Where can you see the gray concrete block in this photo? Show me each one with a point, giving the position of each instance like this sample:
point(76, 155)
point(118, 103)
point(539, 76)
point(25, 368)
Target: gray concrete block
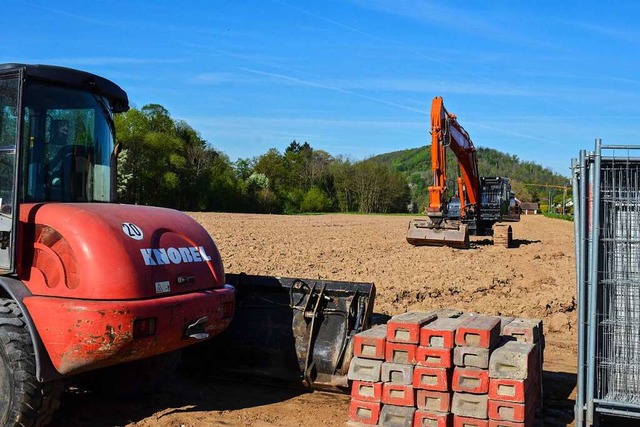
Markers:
point(396, 416)
point(364, 370)
point(514, 360)
point(397, 373)
point(471, 357)
point(504, 321)
point(524, 330)
point(470, 405)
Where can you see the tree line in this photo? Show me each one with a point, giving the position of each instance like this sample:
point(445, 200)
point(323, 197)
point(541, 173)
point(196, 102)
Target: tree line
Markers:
point(165, 162)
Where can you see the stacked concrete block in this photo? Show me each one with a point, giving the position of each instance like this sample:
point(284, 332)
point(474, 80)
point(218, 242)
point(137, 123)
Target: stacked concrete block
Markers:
point(365, 371)
point(528, 331)
point(397, 416)
point(475, 339)
point(403, 337)
point(514, 390)
point(434, 364)
point(447, 369)
point(383, 371)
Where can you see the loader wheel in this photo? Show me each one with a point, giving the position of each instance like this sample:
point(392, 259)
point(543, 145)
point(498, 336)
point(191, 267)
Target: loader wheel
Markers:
point(23, 400)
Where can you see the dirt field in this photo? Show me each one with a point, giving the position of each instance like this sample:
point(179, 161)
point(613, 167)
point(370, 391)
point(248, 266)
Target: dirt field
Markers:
point(534, 279)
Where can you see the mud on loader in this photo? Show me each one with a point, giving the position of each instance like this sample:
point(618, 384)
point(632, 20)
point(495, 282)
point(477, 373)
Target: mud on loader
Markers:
point(88, 285)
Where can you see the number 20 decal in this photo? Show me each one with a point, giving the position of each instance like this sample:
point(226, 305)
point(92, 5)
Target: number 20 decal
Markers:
point(132, 230)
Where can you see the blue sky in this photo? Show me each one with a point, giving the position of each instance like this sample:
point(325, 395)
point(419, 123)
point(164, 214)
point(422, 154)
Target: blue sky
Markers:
point(540, 80)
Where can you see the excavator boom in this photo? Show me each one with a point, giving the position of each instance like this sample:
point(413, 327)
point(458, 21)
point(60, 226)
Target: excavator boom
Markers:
point(447, 132)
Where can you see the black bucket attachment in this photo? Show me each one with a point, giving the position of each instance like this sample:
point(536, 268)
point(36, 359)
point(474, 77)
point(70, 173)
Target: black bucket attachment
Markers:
point(293, 330)
point(424, 232)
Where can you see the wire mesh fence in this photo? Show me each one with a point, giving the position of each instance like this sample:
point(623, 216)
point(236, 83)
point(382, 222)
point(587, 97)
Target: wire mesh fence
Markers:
point(607, 196)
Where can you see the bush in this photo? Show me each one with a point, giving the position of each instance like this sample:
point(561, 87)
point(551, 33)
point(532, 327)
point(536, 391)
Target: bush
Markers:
point(559, 216)
point(315, 201)
point(293, 201)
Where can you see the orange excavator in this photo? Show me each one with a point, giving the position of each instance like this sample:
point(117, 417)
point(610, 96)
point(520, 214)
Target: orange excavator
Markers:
point(481, 205)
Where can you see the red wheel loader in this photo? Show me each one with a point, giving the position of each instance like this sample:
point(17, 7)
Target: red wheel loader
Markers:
point(86, 283)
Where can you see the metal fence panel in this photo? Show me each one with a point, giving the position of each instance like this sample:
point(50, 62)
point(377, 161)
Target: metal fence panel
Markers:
point(607, 235)
point(618, 358)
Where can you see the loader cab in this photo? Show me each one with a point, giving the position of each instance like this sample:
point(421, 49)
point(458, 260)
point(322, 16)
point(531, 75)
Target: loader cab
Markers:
point(56, 141)
point(67, 145)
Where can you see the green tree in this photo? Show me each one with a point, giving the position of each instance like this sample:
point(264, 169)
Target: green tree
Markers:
point(168, 163)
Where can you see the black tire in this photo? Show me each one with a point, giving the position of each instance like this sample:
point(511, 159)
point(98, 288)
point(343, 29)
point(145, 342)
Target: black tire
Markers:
point(24, 401)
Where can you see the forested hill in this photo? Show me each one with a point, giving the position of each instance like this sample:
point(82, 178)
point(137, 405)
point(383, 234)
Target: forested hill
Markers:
point(527, 178)
point(490, 163)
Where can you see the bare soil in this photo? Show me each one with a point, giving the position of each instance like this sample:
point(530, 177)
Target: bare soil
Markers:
point(534, 279)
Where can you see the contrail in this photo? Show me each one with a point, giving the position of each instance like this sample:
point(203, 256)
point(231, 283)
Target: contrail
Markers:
point(522, 135)
point(333, 88)
point(382, 101)
point(417, 52)
point(64, 12)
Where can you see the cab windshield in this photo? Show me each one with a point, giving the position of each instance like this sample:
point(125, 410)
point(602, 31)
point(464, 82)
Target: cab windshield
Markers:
point(67, 145)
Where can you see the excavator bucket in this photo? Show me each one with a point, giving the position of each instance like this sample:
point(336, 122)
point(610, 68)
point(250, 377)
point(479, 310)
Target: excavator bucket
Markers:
point(423, 232)
point(293, 330)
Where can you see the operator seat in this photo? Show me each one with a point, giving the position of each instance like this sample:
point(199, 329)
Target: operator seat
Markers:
point(75, 170)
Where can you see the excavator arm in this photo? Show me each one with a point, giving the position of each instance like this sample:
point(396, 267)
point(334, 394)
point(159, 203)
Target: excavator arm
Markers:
point(447, 132)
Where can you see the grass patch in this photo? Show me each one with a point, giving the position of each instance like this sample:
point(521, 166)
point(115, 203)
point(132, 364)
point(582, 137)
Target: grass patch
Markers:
point(558, 216)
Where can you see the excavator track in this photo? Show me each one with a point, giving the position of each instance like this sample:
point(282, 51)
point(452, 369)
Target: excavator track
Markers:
point(502, 235)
